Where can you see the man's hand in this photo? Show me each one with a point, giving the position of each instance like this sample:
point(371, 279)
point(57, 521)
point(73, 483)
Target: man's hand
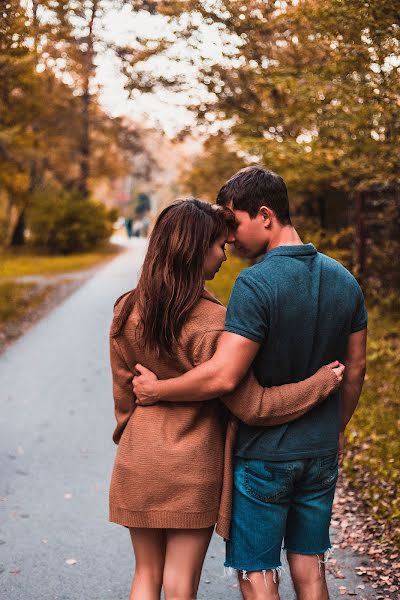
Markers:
point(144, 387)
point(341, 448)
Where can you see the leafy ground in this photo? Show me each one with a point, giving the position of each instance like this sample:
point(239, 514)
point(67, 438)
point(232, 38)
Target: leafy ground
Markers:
point(51, 279)
point(17, 298)
point(372, 463)
point(27, 262)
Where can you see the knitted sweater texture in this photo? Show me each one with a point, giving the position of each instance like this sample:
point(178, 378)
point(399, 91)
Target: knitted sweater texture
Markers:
point(174, 463)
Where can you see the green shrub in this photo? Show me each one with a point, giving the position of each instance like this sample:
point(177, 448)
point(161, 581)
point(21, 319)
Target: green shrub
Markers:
point(64, 222)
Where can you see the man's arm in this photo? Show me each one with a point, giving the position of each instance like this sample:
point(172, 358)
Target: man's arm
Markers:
point(354, 375)
point(217, 376)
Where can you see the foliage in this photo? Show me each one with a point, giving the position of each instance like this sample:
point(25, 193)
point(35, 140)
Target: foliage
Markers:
point(65, 222)
point(18, 103)
point(309, 87)
point(52, 127)
point(212, 168)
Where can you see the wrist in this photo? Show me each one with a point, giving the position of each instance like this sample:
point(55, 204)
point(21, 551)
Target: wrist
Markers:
point(157, 390)
point(332, 377)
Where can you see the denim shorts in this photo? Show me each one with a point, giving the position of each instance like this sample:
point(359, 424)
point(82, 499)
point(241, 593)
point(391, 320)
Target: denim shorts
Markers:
point(280, 501)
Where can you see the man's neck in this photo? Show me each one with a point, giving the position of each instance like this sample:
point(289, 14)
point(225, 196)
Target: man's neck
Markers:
point(285, 236)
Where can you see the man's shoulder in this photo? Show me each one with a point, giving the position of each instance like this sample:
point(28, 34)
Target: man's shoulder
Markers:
point(334, 268)
point(257, 273)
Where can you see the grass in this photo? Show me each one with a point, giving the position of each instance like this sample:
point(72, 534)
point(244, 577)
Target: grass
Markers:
point(28, 262)
point(372, 453)
point(372, 462)
point(16, 299)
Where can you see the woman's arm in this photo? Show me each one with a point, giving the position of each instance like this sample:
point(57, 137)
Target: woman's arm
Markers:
point(250, 402)
point(256, 405)
point(124, 398)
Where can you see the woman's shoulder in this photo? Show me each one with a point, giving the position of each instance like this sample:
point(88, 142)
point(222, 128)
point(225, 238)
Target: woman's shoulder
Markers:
point(201, 331)
point(120, 301)
point(208, 315)
point(124, 310)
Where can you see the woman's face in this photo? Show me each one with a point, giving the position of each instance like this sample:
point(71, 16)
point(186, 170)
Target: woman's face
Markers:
point(214, 258)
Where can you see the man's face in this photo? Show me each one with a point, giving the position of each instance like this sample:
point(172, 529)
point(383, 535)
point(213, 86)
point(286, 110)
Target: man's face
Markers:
point(251, 237)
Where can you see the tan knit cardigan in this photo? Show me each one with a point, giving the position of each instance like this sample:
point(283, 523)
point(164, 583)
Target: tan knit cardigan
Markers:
point(173, 467)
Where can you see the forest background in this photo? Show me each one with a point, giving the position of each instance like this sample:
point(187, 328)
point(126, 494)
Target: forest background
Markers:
point(309, 89)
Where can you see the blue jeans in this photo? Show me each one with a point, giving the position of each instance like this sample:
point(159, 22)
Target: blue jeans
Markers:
point(276, 501)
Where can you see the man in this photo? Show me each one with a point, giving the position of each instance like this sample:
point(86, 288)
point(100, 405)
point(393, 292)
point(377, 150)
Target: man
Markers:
point(290, 313)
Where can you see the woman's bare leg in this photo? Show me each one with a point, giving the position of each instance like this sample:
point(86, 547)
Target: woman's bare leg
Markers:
point(184, 557)
point(149, 548)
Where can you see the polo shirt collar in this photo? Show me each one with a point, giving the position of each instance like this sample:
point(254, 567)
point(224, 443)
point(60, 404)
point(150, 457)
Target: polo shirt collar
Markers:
point(297, 250)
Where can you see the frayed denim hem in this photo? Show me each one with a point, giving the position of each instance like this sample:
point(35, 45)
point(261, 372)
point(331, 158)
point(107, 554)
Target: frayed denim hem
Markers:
point(276, 572)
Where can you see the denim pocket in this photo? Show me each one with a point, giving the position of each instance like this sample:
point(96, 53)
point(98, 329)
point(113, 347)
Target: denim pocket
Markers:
point(328, 470)
point(268, 482)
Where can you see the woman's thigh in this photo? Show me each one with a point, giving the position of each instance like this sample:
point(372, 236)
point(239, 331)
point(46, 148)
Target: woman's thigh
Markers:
point(149, 546)
point(184, 557)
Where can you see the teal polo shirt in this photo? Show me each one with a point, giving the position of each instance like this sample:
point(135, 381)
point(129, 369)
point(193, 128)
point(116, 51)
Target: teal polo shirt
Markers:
point(301, 307)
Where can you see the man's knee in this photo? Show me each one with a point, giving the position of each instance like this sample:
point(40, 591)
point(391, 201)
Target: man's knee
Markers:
point(259, 585)
point(308, 575)
point(306, 568)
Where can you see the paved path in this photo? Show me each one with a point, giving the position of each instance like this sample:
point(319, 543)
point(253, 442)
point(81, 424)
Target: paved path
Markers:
point(56, 456)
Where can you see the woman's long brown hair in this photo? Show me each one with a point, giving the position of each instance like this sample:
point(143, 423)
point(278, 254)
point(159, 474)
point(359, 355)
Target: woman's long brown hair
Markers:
point(172, 278)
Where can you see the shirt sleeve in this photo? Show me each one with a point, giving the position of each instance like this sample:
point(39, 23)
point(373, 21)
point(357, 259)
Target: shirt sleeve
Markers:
point(248, 310)
point(359, 320)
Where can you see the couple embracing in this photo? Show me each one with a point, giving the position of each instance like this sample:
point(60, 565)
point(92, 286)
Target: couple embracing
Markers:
point(235, 418)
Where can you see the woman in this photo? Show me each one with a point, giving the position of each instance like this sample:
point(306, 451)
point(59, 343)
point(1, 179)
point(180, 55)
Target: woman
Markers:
point(171, 480)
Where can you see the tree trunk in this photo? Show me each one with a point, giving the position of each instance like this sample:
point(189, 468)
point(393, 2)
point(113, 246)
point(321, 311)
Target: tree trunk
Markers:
point(322, 212)
point(86, 102)
point(85, 146)
point(360, 236)
point(18, 236)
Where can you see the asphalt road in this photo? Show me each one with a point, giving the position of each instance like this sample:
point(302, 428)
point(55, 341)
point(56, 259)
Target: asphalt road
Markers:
point(56, 456)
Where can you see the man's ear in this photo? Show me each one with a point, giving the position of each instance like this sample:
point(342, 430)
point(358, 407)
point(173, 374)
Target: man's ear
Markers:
point(266, 215)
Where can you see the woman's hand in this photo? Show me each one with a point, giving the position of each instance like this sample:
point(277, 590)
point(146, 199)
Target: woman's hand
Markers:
point(338, 369)
point(144, 386)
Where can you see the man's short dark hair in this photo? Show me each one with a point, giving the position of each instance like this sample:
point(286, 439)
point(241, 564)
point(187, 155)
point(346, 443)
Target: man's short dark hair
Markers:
point(253, 187)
